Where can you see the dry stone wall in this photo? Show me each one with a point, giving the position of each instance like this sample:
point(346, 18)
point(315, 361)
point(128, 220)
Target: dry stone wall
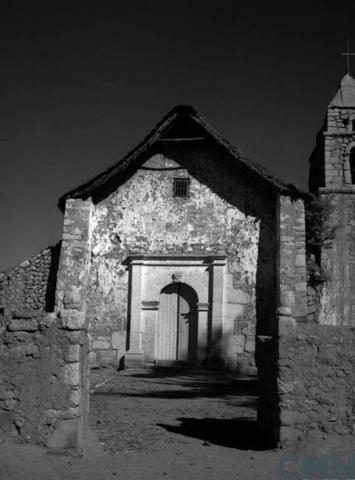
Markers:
point(31, 285)
point(43, 383)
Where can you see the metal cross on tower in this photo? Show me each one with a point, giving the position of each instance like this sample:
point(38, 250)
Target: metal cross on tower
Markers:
point(348, 55)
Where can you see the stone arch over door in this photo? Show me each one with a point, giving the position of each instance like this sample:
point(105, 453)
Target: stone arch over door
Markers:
point(176, 337)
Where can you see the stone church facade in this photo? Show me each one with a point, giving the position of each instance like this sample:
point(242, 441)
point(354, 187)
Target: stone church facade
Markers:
point(185, 250)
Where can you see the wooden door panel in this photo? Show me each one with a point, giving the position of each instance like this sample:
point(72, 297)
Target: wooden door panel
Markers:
point(183, 328)
point(166, 332)
point(176, 333)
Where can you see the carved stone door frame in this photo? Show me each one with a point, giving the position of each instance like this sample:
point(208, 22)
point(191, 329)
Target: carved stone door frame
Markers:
point(149, 274)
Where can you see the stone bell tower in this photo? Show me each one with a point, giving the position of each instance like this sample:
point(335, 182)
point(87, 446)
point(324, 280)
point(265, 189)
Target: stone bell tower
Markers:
point(332, 176)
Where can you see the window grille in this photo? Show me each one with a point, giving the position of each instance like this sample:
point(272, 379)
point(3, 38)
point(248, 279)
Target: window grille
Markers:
point(181, 187)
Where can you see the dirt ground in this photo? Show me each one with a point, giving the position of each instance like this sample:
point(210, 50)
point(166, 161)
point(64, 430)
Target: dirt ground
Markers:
point(165, 425)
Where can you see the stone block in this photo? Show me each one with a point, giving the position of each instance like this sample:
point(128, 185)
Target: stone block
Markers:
point(6, 422)
point(250, 345)
point(287, 299)
point(29, 325)
point(92, 360)
point(75, 397)
point(72, 353)
point(72, 319)
point(71, 374)
point(133, 359)
point(70, 236)
point(72, 412)
point(286, 311)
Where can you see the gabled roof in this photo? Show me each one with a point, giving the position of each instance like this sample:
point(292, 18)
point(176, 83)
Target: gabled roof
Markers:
point(190, 127)
point(345, 95)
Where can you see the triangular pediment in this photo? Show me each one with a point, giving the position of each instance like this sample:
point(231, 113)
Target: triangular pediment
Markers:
point(181, 124)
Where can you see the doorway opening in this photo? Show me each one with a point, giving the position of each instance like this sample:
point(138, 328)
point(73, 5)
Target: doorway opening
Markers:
point(176, 336)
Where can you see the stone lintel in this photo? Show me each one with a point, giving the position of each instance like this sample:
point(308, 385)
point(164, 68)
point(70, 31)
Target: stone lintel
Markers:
point(175, 260)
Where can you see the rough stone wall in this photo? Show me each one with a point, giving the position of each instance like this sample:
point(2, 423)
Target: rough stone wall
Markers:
point(336, 305)
point(227, 213)
point(316, 381)
point(339, 138)
point(42, 385)
point(31, 285)
point(75, 254)
point(307, 378)
point(292, 254)
point(338, 301)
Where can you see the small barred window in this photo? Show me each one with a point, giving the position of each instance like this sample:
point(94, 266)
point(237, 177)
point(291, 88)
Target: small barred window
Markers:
point(181, 187)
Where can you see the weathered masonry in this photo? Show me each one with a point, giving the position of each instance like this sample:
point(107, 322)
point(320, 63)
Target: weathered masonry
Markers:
point(190, 245)
point(332, 176)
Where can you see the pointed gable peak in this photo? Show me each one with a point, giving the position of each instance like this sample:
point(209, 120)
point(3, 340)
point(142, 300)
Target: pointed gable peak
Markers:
point(183, 109)
point(345, 95)
point(347, 80)
point(181, 124)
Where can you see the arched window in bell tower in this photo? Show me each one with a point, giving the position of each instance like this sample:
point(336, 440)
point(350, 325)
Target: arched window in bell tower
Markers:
point(352, 165)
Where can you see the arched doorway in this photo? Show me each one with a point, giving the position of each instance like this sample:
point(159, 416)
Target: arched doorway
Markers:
point(177, 328)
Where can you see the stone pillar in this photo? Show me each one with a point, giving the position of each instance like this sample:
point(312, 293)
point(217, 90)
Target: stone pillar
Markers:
point(287, 328)
point(75, 255)
point(71, 293)
point(202, 331)
point(150, 311)
point(216, 279)
point(134, 355)
point(273, 374)
point(292, 275)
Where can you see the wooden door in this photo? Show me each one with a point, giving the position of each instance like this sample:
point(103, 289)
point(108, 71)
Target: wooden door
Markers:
point(177, 324)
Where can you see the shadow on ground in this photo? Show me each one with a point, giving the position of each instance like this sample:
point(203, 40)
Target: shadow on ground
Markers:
point(181, 384)
point(240, 433)
point(149, 411)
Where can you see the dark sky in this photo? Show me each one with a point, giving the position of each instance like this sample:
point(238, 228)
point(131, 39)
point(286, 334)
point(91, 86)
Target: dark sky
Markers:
point(81, 85)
